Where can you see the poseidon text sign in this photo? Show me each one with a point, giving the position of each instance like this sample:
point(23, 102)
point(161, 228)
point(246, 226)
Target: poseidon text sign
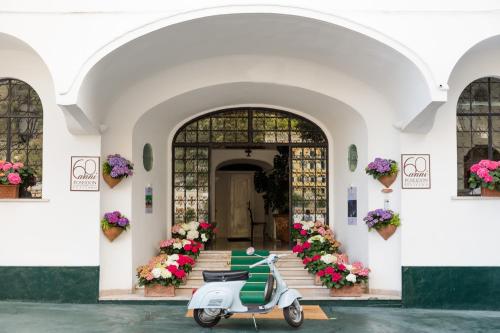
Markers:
point(84, 173)
point(415, 171)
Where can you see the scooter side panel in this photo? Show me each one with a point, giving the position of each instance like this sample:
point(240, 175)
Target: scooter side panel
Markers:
point(215, 295)
point(288, 297)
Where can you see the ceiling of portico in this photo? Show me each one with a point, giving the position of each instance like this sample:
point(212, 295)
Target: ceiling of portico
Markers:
point(365, 59)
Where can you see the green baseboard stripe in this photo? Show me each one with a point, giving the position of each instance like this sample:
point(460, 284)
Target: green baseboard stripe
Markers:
point(50, 284)
point(468, 288)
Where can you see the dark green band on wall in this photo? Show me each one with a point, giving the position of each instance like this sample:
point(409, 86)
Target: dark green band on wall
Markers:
point(50, 284)
point(471, 288)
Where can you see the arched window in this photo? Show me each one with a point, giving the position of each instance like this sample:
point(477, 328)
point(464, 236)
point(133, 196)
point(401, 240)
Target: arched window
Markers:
point(21, 127)
point(478, 127)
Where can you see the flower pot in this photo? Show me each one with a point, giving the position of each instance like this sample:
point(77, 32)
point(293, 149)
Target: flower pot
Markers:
point(112, 233)
point(158, 290)
point(9, 191)
point(387, 231)
point(486, 192)
point(387, 181)
point(317, 280)
point(348, 291)
point(112, 182)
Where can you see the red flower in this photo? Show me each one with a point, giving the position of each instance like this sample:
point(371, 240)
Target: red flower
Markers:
point(183, 260)
point(303, 232)
point(321, 273)
point(336, 277)
point(306, 245)
point(172, 269)
point(297, 249)
point(297, 226)
point(188, 247)
point(341, 267)
point(205, 225)
point(180, 274)
point(329, 270)
point(306, 260)
point(316, 257)
point(195, 249)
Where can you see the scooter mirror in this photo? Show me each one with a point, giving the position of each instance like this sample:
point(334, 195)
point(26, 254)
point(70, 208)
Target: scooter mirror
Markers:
point(250, 251)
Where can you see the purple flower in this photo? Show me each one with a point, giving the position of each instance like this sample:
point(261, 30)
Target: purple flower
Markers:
point(122, 222)
point(120, 167)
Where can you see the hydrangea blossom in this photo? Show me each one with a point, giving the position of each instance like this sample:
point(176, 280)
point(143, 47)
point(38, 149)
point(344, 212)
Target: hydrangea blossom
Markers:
point(381, 217)
point(117, 166)
point(382, 167)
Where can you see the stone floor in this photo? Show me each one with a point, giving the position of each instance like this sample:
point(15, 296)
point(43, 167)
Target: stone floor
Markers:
point(54, 318)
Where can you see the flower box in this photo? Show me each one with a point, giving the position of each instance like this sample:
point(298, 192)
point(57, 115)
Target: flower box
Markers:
point(9, 191)
point(486, 192)
point(158, 290)
point(387, 231)
point(348, 291)
point(112, 233)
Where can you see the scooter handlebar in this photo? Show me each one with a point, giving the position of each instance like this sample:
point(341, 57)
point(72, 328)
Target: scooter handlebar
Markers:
point(258, 263)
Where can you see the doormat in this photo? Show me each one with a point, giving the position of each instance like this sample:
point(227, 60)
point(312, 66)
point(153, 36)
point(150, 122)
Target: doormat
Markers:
point(239, 239)
point(311, 312)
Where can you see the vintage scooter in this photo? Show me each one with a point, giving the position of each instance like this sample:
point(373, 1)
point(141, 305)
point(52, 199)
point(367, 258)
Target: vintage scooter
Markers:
point(220, 295)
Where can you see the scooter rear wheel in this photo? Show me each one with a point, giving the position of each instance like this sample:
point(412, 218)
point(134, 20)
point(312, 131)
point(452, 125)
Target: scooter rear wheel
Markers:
point(206, 317)
point(294, 316)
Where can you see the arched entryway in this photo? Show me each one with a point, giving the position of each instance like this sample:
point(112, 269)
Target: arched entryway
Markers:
point(294, 188)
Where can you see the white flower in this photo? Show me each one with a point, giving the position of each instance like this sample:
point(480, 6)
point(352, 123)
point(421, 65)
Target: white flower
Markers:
point(193, 225)
point(349, 267)
point(328, 258)
point(316, 238)
point(204, 238)
point(177, 245)
point(173, 257)
point(307, 225)
point(185, 242)
point(351, 278)
point(192, 234)
point(185, 226)
point(156, 272)
point(165, 273)
point(182, 232)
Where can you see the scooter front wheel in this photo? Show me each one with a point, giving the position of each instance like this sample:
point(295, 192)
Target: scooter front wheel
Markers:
point(293, 314)
point(206, 317)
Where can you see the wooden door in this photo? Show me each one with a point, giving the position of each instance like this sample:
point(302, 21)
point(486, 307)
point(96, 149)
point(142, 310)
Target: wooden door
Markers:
point(241, 194)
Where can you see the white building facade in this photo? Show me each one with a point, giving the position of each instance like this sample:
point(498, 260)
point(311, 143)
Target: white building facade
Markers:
point(385, 76)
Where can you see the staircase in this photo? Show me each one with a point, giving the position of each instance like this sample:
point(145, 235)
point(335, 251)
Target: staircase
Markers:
point(290, 268)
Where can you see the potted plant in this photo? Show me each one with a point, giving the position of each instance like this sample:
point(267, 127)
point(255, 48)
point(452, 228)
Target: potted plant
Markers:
point(115, 168)
point(384, 221)
point(384, 170)
point(180, 246)
point(344, 279)
point(163, 273)
point(113, 224)
point(274, 185)
point(486, 175)
point(201, 231)
point(12, 177)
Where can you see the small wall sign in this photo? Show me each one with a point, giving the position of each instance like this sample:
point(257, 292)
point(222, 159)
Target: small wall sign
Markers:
point(352, 205)
point(85, 171)
point(416, 171)
point(148, 199)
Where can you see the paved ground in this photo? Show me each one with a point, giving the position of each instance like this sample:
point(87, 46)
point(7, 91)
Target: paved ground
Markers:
point(109, 318)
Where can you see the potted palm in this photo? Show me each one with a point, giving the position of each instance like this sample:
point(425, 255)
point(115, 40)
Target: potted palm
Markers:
point(384, 170)
point(385, 221)
point(486, 175)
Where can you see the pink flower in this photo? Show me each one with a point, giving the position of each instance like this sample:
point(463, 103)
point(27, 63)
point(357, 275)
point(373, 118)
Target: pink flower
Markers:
point(336, 277)
point(166, 242)
point(204, 225)
point(342, 258)
point(488, 179)
point(14, 178)
point(297, 249)
point(297, 226)
point(341, 267)
point(176, 228)
point(303, 232)
point(364, 272)
point(149, 277)
point(482, 172)
point(306, 245)
point(17, 166)
point(474, 168)
point(7, 166)
point(321, 231)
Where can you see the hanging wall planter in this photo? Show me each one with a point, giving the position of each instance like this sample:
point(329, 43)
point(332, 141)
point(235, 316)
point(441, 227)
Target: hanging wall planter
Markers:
point(113, 224)
point(384, 221)
point(384, 170)
point(387, 181)
point(115, 169)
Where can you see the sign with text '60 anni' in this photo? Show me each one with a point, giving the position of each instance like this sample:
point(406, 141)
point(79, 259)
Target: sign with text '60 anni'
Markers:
point(415, 171)
point(85, 172)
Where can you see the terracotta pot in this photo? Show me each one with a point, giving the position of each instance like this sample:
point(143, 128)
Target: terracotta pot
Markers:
point(486, 192)
point(9, 191)
point(112, 182)
point(112, 233)
point(348, 291)
point(387, 231)
point(158, 290)
point(282, 223)
point(317, 280)
point(387, 181)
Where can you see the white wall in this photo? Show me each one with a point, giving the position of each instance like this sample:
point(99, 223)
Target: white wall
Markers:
point(62, 229)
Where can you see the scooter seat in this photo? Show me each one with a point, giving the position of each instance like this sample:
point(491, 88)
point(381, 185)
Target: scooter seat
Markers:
point(222, 276)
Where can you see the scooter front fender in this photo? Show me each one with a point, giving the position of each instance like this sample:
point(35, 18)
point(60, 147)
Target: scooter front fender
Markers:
point(212, 296)
point(288, 297)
